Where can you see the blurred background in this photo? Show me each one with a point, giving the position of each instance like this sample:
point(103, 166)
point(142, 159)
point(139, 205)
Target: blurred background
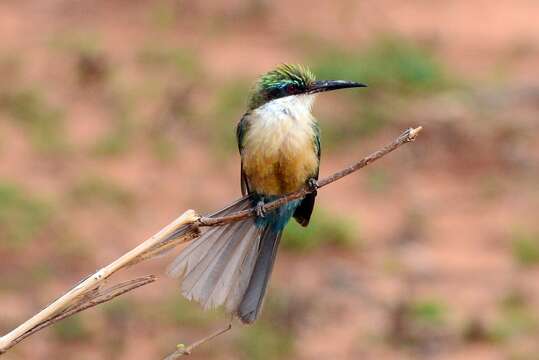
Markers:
point(116, 116)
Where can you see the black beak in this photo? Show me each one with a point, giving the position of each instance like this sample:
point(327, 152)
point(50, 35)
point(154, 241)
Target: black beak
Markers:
point(328, 85)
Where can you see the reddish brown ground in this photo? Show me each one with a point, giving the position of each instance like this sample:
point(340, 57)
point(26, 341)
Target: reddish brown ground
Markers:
point(441, 231)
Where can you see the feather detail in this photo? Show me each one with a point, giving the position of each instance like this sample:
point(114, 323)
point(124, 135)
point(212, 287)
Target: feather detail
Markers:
point(215, 268)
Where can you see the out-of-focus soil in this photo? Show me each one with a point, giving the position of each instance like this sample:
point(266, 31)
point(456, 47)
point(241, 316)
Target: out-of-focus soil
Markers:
point(440, 230)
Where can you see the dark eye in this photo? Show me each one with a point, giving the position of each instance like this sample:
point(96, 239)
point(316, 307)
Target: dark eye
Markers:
point(292, 88)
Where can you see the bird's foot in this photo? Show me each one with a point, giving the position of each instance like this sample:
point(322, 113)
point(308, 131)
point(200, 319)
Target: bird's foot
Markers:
point(259, 209)
point(312, 185)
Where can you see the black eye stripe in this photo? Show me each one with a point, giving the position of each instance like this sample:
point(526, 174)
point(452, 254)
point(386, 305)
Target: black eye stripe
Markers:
point(294, 87)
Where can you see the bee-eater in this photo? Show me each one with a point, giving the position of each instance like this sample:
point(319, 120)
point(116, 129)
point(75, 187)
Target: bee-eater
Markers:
point(279, 144)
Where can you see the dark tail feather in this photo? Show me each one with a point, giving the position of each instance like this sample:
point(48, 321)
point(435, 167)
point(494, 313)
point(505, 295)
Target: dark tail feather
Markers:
point(229, 265)
point(215, 269)
point(253, 298)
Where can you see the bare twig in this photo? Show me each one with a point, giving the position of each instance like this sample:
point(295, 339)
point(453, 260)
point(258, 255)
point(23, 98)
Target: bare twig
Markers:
point(85, 287)
point(88, 293)
point(183, 350)
point(407, 136)
point(98, 298)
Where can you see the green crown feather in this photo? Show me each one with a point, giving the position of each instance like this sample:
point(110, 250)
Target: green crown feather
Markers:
point(285, 80)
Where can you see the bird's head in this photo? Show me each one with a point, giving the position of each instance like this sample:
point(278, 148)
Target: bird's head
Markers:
point(289, 80)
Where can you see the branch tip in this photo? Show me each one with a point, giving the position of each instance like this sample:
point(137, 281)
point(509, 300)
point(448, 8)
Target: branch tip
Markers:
point(412, 134)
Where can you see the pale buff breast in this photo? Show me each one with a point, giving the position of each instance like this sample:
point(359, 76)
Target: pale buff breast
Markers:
point(279, 152)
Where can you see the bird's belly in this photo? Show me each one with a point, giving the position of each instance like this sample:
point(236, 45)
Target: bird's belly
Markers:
point(278, 165)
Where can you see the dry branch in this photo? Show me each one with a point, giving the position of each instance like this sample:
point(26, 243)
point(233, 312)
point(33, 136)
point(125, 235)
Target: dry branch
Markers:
point(183, 350)
point(407, 136)
point(94, 299)
point(89, 293)
point(90, 285)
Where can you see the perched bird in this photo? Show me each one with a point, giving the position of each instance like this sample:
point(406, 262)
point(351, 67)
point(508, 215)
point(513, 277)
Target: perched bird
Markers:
point(279, 144)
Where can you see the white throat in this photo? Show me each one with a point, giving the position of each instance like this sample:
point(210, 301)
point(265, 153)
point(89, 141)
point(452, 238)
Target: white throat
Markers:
point(294, 107)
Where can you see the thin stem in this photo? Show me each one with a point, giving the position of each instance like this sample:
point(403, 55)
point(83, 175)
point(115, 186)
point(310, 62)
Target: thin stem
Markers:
point(90, 283)
point(407, 136)
point(182, 350)
point(86, 303)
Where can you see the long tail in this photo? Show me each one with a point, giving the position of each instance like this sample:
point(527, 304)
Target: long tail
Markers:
point(215, 269)
point(230, 265)
point(254, 295)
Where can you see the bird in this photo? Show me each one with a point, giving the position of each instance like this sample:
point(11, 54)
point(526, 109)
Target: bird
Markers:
point(279, 145)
